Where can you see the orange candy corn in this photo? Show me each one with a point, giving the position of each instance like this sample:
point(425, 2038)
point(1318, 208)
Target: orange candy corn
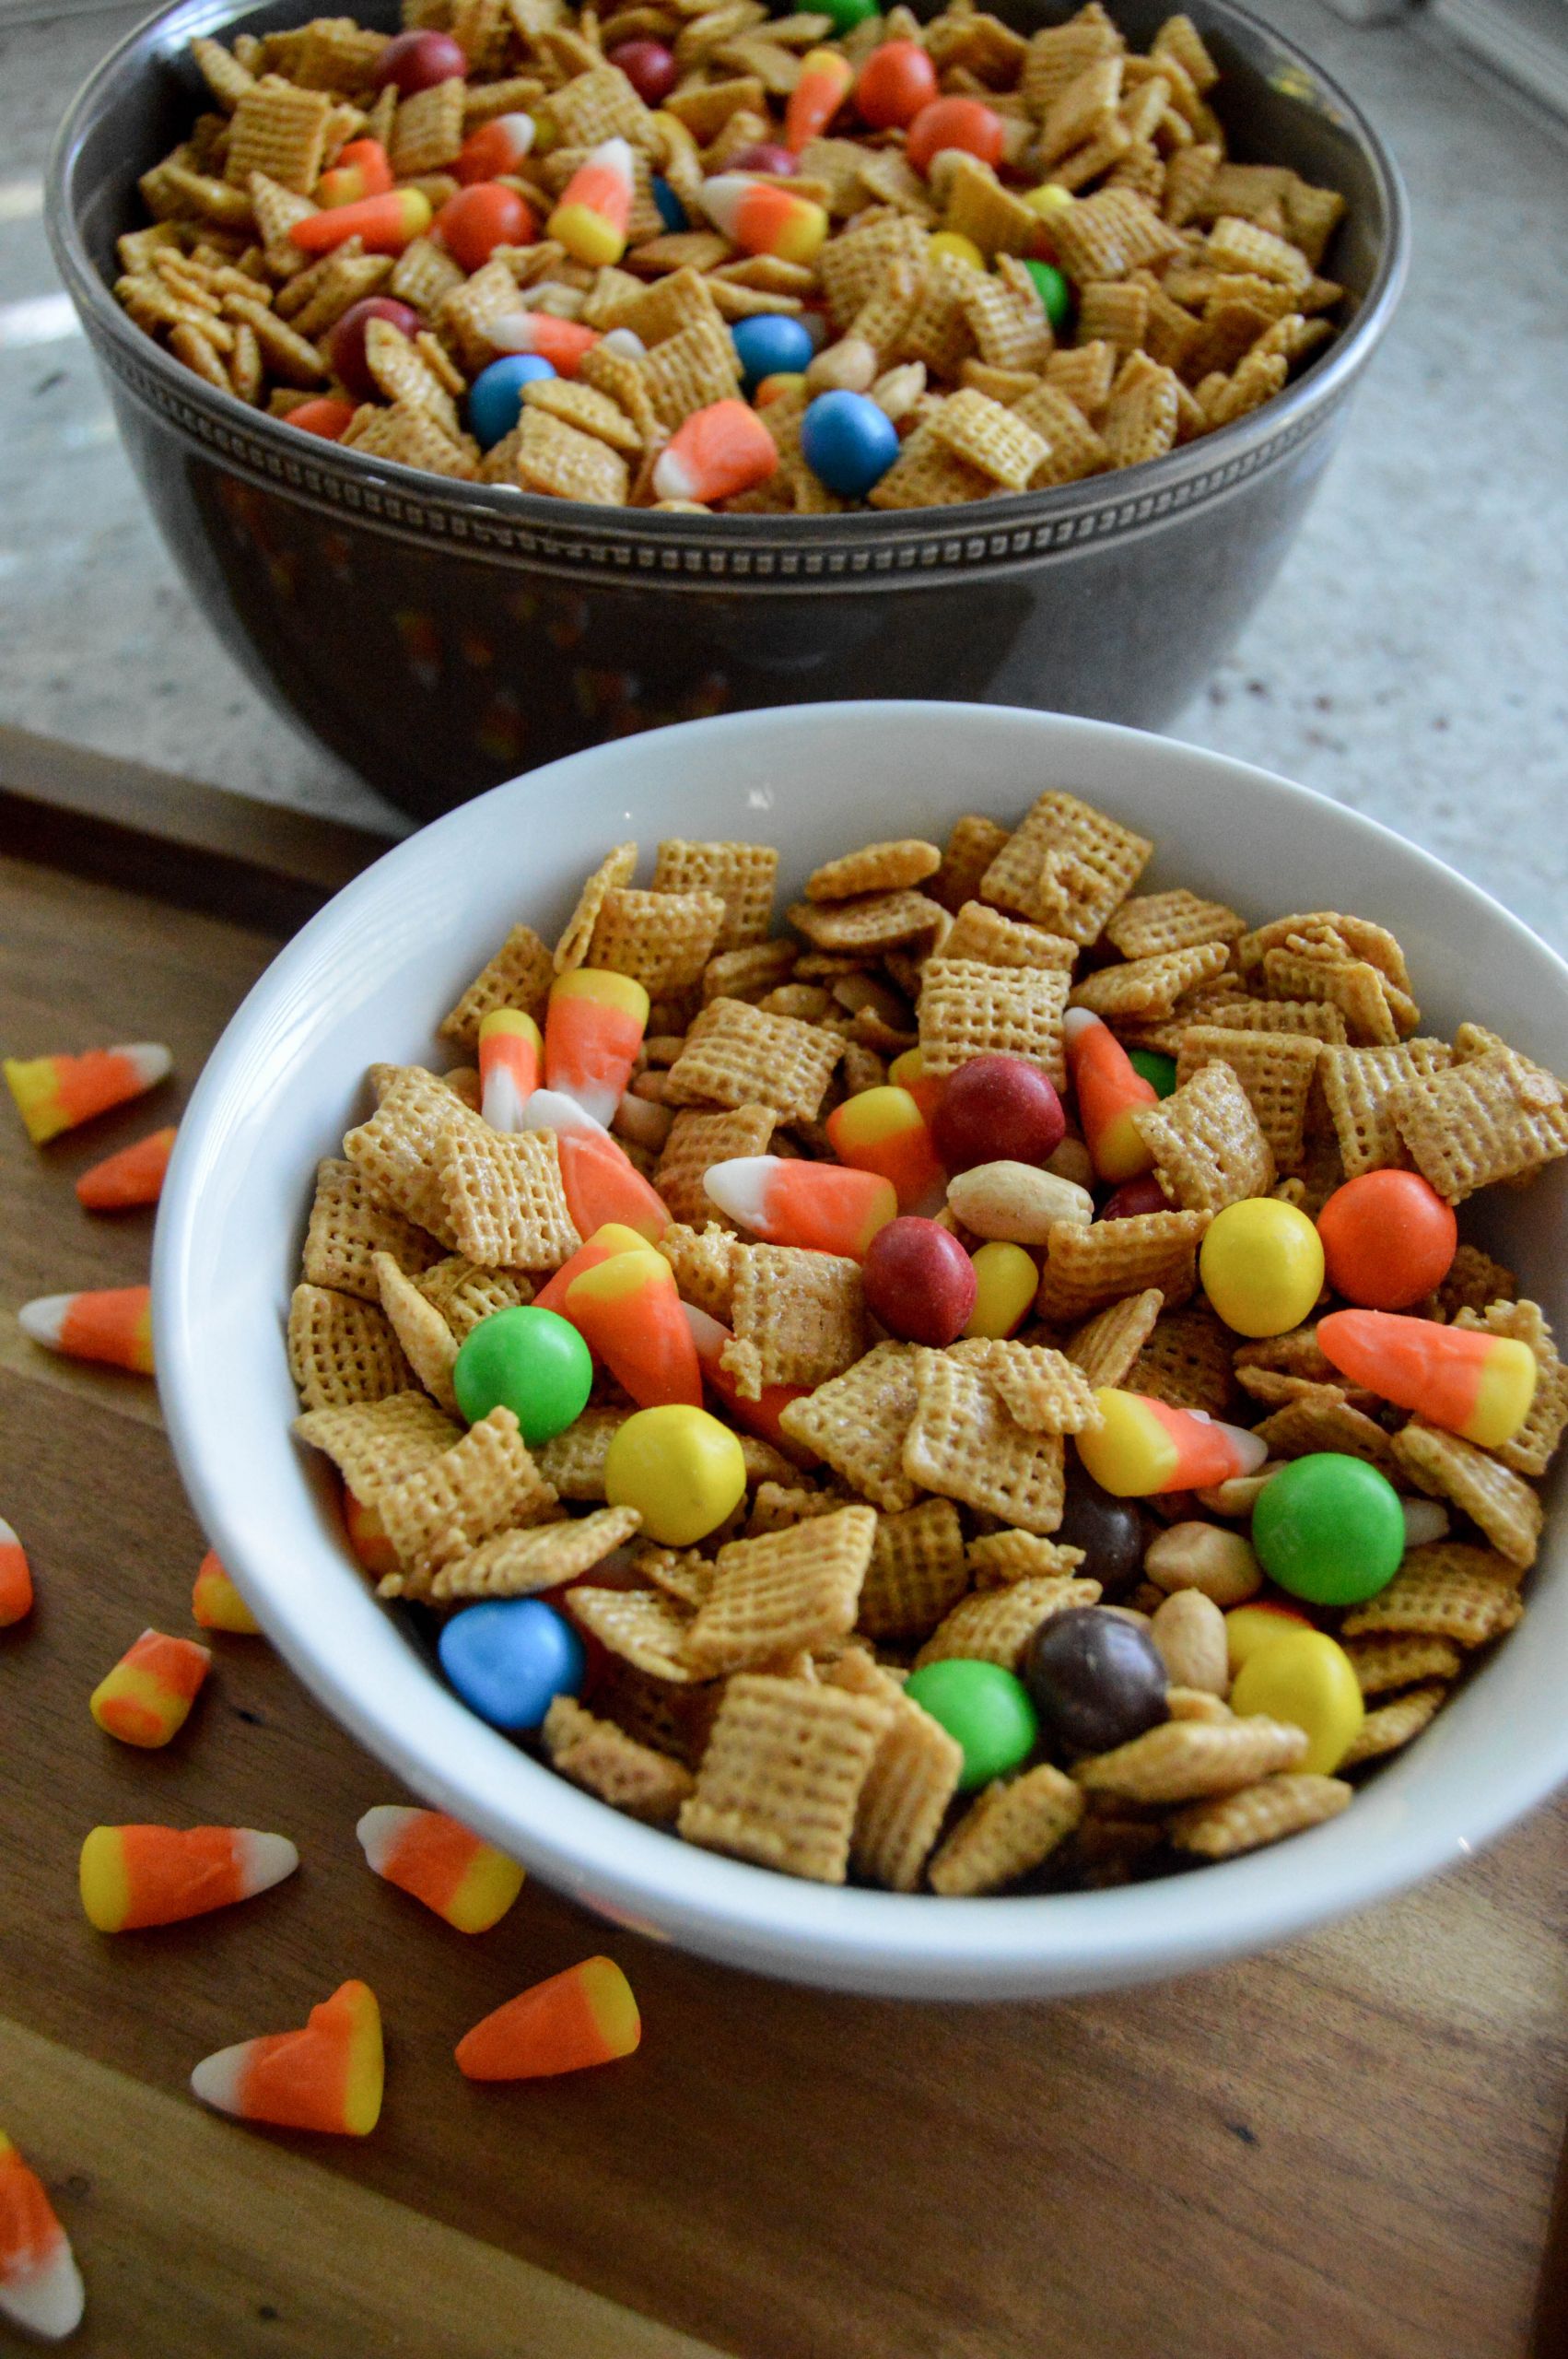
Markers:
point(593, 1028)
point(425, 1852)
point(384, 224)
point(824, 1207)
point(586, 2015)
point(329, 2076)
point(563, 343)
point(823, 85)
point(763, 218)
point(1465, 1380)
point(41, 2286)
point(55, 1093)
point(132, 1876)
point(908, 1072)
point(594, 208)
point(15, 1579)
point(631, 1317)
point(511, 1056)
point(217, 1604)
point(883, 1129)
point(603, 1186)
point(113, 1324)
point(716, 453)
point(1109, 1091)
point(614, 1237)
point(132, 1177)
point(368, 1536)
point(363, 168)
point(147, 1698)
point(1143, 1447)
point(760, 1417)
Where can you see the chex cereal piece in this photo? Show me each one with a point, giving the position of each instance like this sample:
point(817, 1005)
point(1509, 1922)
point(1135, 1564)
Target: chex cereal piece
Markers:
point(1473, 1281)
point(1530, 1450)
point(1086, 1268)
point(784, 1589)
point(375, 1445)
point(997, 441)
point(1109, 234)
point(573, 1462)
point(972, 845)
point(664, 940)
point(1075, 450)
point(1325, 1420)
point(695, 1143)
point(965, 1445)
point(641, 1626)
point(1494, 1117)
point(969, 1009)
point(1362, 1088)
point(998, 1558)
point(426, 130)
point(706, 1263)
point(589, 411)
point(742, 874)
point(1401, 1659)
point(1258, 1814)
point(1107, 1347)
point(1144, 413)
point(917, 1573)
point(411, 438)
point(1016, 1823)
point(404, 374)
point(1316, 1018)
point(1209, 1150)
point(799, 1316)
point(870, 924)
point(925, 474)
point(428, 1345)
point(778, 1505)
point(1448, 1590)
point(691, 371)
point(506, 1203)
point(995, 1625)
point(1353, 985)
point(342, 1351)
point(395, 1151)
point(1352, 938)
point(1501, 1502)
point(1187, 1362)
point(617, 868)
point(602, 1758)
point(1182, 1761)
point(483, 1483)
point(1196, 1704)
point(875, 868)
point(280, 130)
point(858, 1423)
point(349, 1225)
point(736, 1055)
point(1275, 1071)
point(913, 1777)
point(518, 1564)
point(1067, 867)
point(997, 941)
point(464, 1293)
point(1041, 1389)
point(544, 453)
point(1150, 988)
point(518, 976)
point(781, 1777)
point(749, 973)
point(682, 1573)
point(1153, 923)
point(1393, 1725)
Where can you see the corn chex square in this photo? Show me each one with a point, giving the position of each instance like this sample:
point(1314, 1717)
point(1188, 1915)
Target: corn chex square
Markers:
point(971, 847)
point(697, 1141)
point(966, 1444)
point(782, 1776)
point(1107, 1347)
point(349, 1225)
point(1498, 1501)
point(1147, 990)
point(1067, 867)
point(1208, 1147)
point(869, 924)
point(552, 1550)
point(1015, 1826)
point(342, 1350)
point(996, 1623)
point(997, 941)
point(427, 1343)
point(519, 975)
point(663, 940)
point(643, 1627)
point(597, 1755)
point(1274, 1070)
point(1400, 1659)
point(857, 1421)
point(798, 1317)
point(505, 1198)
point(1153, 922)
point(738, 1055)
point(998, 1559)
point(1257, 1814)
point(1086, 1268)
point(969, 1009)
point(483, 1483)
point(1448, 1590)
point(279, 131)
point(375, 1444)
point(917, 1573)
point(1494, 1117)
point(995, 439)
point(1041, 1388)
point(744, 876)
point(913, 1777)
point(1183, 1761)
point(1393, 1725)
point(783, 1589)
point(464, 1294)
point(705, 1263)
point(1324, 1420)
point(1187, 1362)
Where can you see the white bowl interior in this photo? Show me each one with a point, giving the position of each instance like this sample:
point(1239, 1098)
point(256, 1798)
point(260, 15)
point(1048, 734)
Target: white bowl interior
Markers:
point(369, 977)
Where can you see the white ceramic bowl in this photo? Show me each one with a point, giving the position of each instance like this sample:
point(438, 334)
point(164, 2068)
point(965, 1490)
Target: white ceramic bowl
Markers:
point(370, 975)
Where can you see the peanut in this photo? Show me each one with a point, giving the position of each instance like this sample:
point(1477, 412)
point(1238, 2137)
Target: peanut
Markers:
point(1071, 1160)
point(1189, 1631)
point(1202, 1557)
point(850, 366)
point(1017, 1201)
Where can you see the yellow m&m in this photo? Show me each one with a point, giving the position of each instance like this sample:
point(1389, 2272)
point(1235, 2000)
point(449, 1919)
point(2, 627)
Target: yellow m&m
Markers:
point(680, 1469)
point(1261, 1264)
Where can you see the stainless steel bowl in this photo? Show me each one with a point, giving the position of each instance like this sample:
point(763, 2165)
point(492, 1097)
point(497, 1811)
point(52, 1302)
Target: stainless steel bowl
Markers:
point(440, 636)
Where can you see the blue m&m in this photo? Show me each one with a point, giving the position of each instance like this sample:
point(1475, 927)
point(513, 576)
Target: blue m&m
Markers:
point(495, 399)
point(509, 1657)
point(847, 443)
point(770, 344)
point(671, 212)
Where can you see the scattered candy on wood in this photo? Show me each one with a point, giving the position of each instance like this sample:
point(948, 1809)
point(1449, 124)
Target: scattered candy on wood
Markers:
point(824, 1207)
point(528, 1360)
point(509, 1659)
point(682, 1471)
point(216, 1604)
point(1328, 1528)
point(920, 1282)
point(329, 2076)
point(1306, 1679)
point(53, 1093)
point(883, 1129)
point(132, 1177)
point(1144, 1447)
point(714, 453)
point(896, 81)
point(764, 219)
point(997, 1109)
point(1466, 1380)
point(986, 1709)
point(109, 1324)
point(1262, 1265)
point(1006, 1281)
point(820, 88)
point(563, 343)
point(15, 1579)
point(593, 1028)
point(628, 1311)
point(480, 217)
point(135, 1876)
point(849, 442)
point(147, 1698)
point(454, 1873)
point(41, 2286)
point(593, 210)
point(383, 225)
point(1097, 1680)
point(1388, 1240)
point(511, 1055)
point(1109, 1090)
point(585, 2016)
point(602, 1185)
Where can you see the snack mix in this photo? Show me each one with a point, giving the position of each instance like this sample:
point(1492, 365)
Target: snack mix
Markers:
point(979, 1385)
point(700, 258)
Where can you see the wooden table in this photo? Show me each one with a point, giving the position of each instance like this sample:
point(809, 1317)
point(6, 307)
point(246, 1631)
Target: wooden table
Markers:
point(1343, 2151)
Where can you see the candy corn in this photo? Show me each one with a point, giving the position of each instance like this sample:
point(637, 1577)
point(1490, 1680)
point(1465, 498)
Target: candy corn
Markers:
point(132, 1876)
point(614, 1237)
point(587, 2015)
point(362, 169)
point(147, 1697)
point(511, 1056)
point(760, 1417)
point(1142, 1447)
point(562, 343)
point(630, 1315)
point(15, 1579)
point(422, 1852)
point(883, 1129)
point(823, 85)
point(593, 1028)
point(595, 207)
point(113, 1324)
point(55, 1093)
point(827, 1207)
point(603, 1186)
point(132, 1177)
point(762, 218)
point(908, 1072)
point(1109, 1092)
point(498, 147)
point(1006, 1281)
point(368, 1536)
point(41, 2286)
point(383, 225)
point(217, 1604)
point(1469, 1381)
point(716, 453)
point(328, 2076)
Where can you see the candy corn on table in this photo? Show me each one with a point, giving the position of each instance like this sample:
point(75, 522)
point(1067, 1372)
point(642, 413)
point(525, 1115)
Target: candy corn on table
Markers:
point(1346, 2148)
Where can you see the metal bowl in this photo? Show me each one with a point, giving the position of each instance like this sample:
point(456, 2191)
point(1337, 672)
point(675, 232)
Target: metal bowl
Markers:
point(440, 636)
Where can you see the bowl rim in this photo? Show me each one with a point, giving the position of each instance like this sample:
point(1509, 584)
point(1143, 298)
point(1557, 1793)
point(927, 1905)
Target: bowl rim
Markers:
point(1061, 517)
point(849, 1937)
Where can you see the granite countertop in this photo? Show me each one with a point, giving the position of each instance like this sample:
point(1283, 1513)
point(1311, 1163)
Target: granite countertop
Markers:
point(1409, 661)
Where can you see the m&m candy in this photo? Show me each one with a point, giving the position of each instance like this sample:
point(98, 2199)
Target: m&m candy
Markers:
point(418, 61)
point(1328, 1528)
point(1261, 1264)
point(1097, 1680)
point(768, 343)
point(920, 1282)
point(529, 1361)
point(509, 1657)
point(1389, 1238)
point(1304, 1677)
point(1157, 1070)
point(650, 67)
point(479, 218)
point(997, 1109)
point(964, 123)
point(985, 1708)
point(1053, 291)
point(896, 80)
point(680, 1469)
point(847, 443)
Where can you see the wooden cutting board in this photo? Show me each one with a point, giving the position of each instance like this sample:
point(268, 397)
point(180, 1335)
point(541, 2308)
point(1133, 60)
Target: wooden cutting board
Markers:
point(1343, 2151)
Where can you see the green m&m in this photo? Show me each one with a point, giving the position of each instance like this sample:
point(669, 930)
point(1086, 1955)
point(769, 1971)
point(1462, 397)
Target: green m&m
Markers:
point(1330, 1528)
point(1159, 1071)
point(1054, 292)
point(531, 1361)
point(847, 14)
point(984, 1709)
